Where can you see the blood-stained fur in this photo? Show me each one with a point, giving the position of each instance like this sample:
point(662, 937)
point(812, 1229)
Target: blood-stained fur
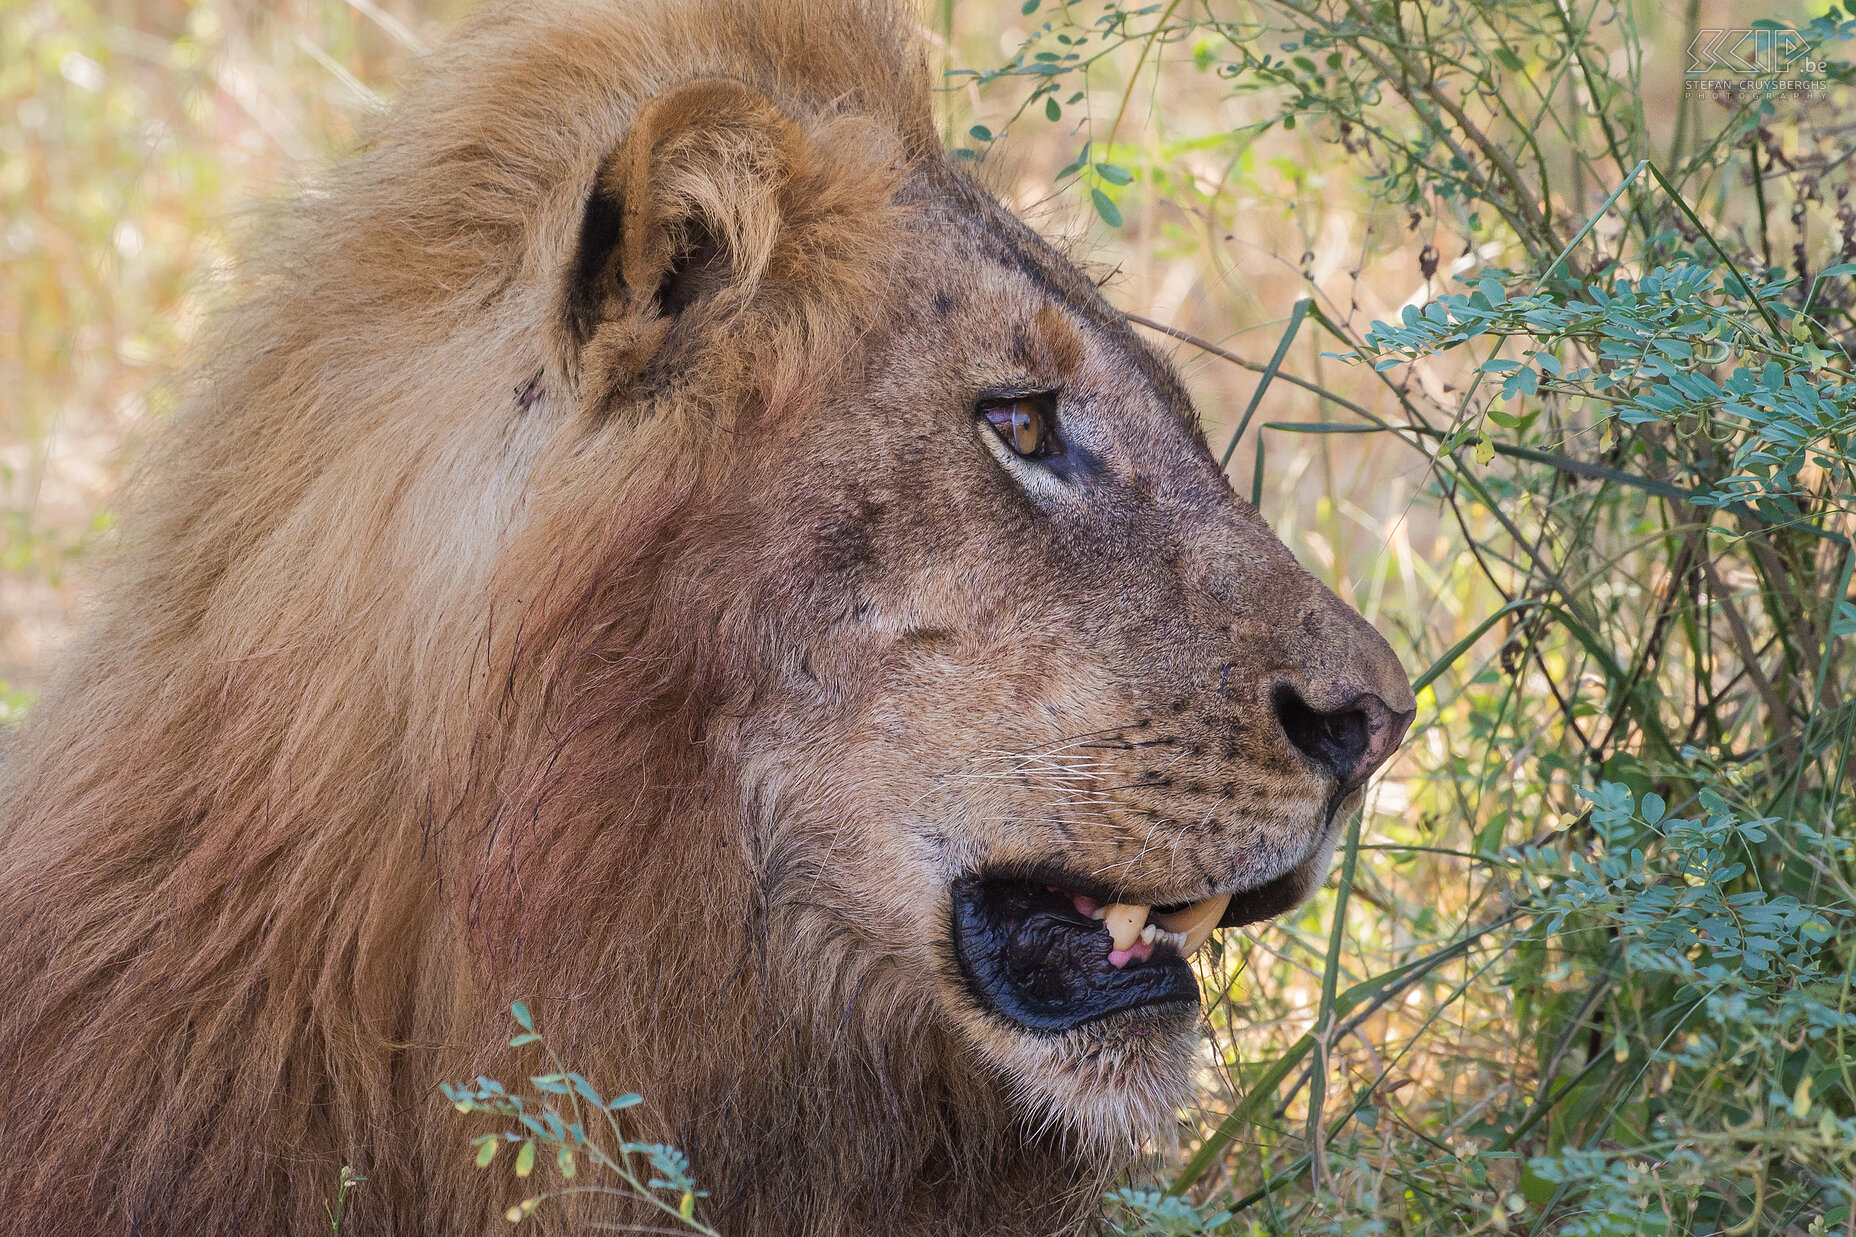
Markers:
point(578, 572)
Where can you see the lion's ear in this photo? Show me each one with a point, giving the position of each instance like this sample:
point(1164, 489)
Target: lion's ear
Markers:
point(684, 213)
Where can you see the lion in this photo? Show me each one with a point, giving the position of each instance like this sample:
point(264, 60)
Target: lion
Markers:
point(651, 536)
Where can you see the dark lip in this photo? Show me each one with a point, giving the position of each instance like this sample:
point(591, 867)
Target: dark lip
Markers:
point(1025, 954)
point(1261, 902)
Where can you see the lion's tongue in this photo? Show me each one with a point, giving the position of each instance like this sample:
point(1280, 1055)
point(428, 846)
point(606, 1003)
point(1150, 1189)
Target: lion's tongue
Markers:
point(1134, 930)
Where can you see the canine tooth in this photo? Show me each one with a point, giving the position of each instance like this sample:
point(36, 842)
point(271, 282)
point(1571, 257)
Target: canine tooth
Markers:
point(1196, 922)
point(1124, 924)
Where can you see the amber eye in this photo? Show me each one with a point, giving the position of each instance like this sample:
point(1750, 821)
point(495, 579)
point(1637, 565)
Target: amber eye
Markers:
point(1023, 421)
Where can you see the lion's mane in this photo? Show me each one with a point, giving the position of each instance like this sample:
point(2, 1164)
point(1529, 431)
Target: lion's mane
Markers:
point(386, 717)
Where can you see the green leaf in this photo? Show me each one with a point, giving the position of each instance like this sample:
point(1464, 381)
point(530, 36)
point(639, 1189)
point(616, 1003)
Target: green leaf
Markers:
point(1105, 207)
point(564, 1160)
point(1841, 268)
point(525, 1158)
point(980, 133)
point(1489, 838)
point(1029, 7)
point(527, 1037)
point(1051, 110)
point(1508, 59)
point(1114, 174)
point(1082, 161)
point(486, 1151)
point(520, 1013)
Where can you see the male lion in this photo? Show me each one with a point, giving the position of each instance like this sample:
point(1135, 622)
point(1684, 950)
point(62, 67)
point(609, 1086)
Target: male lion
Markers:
point(649, 536)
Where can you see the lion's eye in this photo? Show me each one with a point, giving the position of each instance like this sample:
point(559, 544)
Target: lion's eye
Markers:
point(1024, 422)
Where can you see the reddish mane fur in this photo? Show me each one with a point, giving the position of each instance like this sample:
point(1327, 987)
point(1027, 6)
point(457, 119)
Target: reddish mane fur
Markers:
point(387, 715)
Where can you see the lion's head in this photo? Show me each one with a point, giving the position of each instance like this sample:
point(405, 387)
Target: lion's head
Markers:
point(657, 538)
point(1029, 695)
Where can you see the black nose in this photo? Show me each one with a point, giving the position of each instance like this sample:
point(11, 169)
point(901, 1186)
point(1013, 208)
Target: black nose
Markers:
point(1349, 742)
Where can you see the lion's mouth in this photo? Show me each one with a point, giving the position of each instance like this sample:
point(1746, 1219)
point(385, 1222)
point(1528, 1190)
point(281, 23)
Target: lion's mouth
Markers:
point(1048, 956)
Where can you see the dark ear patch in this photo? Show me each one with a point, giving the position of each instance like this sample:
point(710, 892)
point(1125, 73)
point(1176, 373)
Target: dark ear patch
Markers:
point(700, 269)
point(594, 282)
point(688, 206)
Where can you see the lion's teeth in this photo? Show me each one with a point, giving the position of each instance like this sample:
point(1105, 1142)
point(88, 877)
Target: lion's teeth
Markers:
point(1185, 930)
point(1195, 923)
point(1154, 934)
point(1124, 924)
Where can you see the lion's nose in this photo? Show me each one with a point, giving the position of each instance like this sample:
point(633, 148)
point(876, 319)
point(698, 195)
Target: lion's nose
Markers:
point(1348, 742)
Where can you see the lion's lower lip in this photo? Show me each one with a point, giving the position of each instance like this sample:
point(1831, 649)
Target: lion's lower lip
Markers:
point(1030, 955)
point(1036, 952)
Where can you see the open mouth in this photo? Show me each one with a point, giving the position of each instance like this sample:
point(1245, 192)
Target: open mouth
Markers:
point(1052, 953)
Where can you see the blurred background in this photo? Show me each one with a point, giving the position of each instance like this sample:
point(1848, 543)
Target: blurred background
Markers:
point(134, 138)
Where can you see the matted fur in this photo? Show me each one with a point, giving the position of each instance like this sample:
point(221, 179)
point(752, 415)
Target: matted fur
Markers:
point(484, 632)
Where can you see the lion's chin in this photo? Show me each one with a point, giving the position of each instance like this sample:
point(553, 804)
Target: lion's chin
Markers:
point(1112, 1084)
point(1087, 1002)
